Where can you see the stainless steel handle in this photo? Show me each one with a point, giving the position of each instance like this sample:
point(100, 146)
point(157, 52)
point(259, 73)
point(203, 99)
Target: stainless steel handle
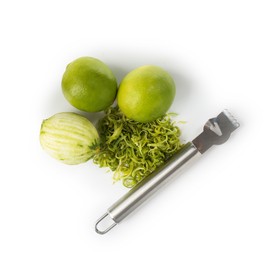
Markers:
point(142, 191)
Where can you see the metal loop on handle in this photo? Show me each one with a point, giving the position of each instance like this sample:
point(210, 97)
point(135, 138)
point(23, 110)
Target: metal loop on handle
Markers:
point(102, 232)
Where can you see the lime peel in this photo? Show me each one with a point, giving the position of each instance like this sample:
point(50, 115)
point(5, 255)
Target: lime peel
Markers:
point(133, 150)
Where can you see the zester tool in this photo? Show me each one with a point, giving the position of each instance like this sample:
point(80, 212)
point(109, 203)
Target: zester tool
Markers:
point(216, 131)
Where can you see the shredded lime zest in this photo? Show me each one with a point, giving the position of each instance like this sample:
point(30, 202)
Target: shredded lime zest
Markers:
point(133, 150)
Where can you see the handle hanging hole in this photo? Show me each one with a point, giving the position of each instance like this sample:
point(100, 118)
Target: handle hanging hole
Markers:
point(104, 224)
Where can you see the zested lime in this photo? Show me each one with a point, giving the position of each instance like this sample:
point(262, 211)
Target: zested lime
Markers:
point(69, 138)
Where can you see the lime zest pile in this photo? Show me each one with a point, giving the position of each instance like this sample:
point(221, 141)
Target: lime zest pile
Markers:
point(133, 150)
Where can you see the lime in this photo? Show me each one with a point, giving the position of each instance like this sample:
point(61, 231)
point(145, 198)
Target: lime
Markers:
point(89, 85)
point(146, 93)
point(69, 137)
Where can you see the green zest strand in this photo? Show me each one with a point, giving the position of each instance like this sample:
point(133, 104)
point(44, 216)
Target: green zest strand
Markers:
point(133, 150)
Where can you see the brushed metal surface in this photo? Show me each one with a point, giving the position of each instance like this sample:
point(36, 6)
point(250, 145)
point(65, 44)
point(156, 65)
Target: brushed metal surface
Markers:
point(142, 191)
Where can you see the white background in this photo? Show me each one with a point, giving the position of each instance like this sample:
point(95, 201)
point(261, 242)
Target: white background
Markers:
point(220, 54)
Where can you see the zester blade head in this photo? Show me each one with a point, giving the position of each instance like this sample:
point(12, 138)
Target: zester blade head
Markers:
point(216, 131)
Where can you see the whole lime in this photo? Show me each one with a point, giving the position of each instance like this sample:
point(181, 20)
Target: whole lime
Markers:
point(146, 93)
point(89, 85)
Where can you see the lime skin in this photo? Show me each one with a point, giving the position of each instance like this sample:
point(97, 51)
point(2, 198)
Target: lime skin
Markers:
point(89, 85)
point(146, 93)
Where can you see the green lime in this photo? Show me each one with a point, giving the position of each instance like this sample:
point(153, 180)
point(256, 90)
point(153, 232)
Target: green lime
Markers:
point(89, 85)
point(146, 93)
